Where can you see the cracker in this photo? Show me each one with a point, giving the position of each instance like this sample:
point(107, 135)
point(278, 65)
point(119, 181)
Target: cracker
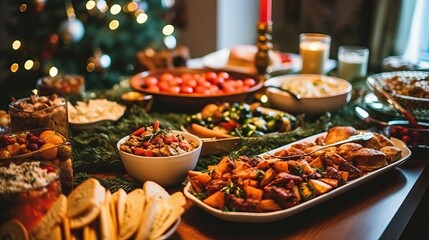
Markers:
point(85, 218)
point(13, 230)
point(51, 219)
point(107, 231)
point(89, 232)
point(134, 205)
point(150, 212)
point(66, 229)
point(154, 190)
point(162, 215)
point(176, 201)
point(118, 204)
point(89, 194)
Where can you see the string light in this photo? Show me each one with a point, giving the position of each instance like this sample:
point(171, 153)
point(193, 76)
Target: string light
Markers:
point(90, 67)
point(53, 71)
point(168, 29)
point(132, 6)
point(28, 64)
point(114, 24)
point(115, 9)
point(90, 5)
point(16, 44)
point(14, 67)
point(23, 7)
point(141, 18)
point(102, 6)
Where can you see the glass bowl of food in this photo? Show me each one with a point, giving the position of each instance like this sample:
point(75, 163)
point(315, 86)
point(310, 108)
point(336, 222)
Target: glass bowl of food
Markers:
point(409, 88)
point(27, 191)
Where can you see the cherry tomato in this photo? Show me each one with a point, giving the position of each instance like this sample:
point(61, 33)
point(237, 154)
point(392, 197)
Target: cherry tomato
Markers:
point(156, 125)
point(150, 81)
point(250, 82)
point(202, 90)
point(139, 131)
point(166, 77)
point(154, 88)
point(174, 89)
point(186, 89)
point(190, 82)
point(223, 75)
point(139, 151)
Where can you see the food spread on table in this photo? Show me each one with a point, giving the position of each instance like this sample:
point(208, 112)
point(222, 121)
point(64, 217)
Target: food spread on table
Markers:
point(271, 181)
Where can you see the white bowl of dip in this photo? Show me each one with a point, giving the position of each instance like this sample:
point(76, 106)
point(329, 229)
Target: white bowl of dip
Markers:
point(319, 93)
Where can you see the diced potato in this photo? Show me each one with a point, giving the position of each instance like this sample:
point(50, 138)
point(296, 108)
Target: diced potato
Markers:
point(319, 187)
point(248, 173)
point(253, 193)
point(281, 166)
point(317, 163)
point(250, 182)
point(202, 178)
point(306, 191)
point(344, 175)
point(270, 174)
point(216, 200)
point(330, 181)
point(269, 205)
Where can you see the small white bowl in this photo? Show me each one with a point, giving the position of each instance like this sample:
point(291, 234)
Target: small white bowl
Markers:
point(309, 104)
point(165, 171)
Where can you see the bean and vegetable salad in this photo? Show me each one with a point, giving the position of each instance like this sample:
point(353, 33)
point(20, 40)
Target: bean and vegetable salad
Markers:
point(153, 141)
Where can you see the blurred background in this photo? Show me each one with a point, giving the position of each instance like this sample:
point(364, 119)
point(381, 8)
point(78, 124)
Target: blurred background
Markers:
point(102, 39)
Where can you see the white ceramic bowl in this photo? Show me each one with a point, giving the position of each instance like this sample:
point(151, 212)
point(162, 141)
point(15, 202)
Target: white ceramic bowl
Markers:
point(165, 171)
point(337, 94)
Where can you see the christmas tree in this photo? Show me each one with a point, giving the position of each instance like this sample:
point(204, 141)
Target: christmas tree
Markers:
point(97, 39)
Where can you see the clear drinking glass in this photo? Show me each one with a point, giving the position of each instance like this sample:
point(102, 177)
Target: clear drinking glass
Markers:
point(352, 62)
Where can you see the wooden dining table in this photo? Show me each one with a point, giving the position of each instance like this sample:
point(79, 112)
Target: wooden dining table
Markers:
point(378, 209)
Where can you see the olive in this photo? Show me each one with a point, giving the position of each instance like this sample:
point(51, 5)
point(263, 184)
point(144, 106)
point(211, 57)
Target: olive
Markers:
point(32, 146)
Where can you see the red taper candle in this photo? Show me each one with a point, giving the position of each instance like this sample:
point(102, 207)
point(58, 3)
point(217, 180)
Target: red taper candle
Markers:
point(265, 11)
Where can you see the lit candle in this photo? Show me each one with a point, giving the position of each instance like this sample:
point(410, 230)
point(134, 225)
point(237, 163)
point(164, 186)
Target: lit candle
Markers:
point(265, 11)
point(314, 51)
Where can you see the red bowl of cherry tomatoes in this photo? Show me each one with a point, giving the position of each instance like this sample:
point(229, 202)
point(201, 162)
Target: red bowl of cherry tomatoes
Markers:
point(189, 90)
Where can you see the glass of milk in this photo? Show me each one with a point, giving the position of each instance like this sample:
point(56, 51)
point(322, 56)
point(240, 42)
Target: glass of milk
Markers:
point(352, 62)
point(314, 51)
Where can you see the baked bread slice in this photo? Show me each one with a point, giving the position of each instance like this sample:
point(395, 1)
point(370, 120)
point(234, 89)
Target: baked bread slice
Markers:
point(177, 201)
point(117, 207)
point(134, 206)
point(86, 196)
point(85, 218)
point(150, 212)
point(154, 190)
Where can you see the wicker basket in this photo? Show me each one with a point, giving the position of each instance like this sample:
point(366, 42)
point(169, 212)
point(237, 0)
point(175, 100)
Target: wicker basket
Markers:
point(416, 105)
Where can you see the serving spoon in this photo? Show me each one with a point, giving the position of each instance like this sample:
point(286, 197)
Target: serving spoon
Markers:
point(354, 138)
point(294, 95)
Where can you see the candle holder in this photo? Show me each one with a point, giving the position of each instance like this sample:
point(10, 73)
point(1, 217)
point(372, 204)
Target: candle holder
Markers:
point(264, 45)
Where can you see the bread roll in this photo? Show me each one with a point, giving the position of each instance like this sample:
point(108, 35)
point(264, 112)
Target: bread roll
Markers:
point(377, 141)
point(368, 159)
point(393, 154)
point(347, 150)
point(339, 133)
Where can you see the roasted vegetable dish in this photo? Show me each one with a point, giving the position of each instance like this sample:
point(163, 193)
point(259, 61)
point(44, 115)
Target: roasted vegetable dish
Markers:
point(239, 119)
point(267, 183)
